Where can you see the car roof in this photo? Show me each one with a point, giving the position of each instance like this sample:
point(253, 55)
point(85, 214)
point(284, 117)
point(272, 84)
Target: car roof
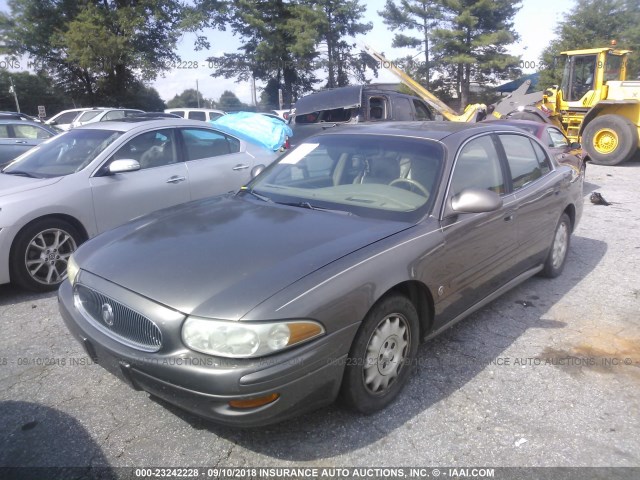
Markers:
point(516, 121)
point(189, 109)
point(430, 130)
point(124, 125)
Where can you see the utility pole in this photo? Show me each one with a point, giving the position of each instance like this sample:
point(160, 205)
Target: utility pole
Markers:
point(197, 94)
point(12, 89)
point(254, 98)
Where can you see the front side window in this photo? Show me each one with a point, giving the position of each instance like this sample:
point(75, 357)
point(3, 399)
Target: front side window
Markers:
point(65, 118)
point(478, 166)
point(378, 176)
point(151, 149)
point(30, 131)
point(64, 154)
point(523, 160)
point(613, 67)
point(201, 143)
point(422, 111)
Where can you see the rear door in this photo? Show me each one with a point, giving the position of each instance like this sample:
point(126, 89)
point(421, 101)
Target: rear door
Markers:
point(536, 187)
point(480, 248)
point(162, 180)
point(214, 162)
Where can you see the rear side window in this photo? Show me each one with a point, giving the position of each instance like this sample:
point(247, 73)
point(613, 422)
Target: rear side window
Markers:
point(4, 131)
point(214, 115)
point(114, 115)
point(67, 117)
point(478, 166)
point(200, 143)
point(557, 138)
point(524, 162)
point(198, 116)
point(402, 109)
point(180, 113)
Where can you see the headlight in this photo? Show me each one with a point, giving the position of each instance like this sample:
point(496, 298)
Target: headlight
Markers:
point(246, 339)
point(72, 270)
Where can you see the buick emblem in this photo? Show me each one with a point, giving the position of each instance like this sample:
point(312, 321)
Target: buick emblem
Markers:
point(107, 314)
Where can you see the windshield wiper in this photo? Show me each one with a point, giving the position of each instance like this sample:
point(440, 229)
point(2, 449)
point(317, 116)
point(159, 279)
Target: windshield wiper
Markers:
point(314, 207)
point(257, 195)
point(21, 173)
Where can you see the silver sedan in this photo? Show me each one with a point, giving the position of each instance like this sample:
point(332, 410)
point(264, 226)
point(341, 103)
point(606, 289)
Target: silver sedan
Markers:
point(101, 175)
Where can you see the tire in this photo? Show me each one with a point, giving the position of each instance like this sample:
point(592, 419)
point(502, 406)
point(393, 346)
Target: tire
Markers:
point(610, 139)
point(381, 356)
point(557, 256)
point(38, 260)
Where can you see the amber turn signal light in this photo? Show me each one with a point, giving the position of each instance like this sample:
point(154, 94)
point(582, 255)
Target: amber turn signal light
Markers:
point(254, 402)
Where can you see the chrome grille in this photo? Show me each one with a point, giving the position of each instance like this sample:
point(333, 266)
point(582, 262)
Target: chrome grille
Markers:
point(117, 320)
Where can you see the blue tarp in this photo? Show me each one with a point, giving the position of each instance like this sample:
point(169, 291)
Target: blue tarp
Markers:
point(269, 132)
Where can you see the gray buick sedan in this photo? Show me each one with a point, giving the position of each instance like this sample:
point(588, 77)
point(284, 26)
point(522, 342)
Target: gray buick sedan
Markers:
point(319, 278)
point(92, 178)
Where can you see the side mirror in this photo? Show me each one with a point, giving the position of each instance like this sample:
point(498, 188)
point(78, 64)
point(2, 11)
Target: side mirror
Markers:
point(257, 170)
point(476, 200)
point(575, 145)
point(124, 165)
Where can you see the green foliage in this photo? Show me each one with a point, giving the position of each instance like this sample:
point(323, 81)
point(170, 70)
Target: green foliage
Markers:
point(336, 21)
point(187, 99)
point(229, 102)
point(421, 17)
point(593, 24)
point(32, 90)
point(97, 50)
point(278, 40)
point(471, 44)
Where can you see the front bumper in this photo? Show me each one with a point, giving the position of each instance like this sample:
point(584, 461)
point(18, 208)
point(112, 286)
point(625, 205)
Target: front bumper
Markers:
point(305, 378)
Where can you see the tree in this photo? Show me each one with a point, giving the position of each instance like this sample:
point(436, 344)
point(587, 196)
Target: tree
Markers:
point(188, 98)
point(593, 24)
point(471, 44)
point(278, 42)
point(421, 16)
point(338, 20)
point(95, 49)
point(32, 90)
point(230, 102)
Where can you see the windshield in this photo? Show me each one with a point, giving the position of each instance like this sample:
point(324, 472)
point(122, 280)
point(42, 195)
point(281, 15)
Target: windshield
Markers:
point(386, 177)
point(86, 116)
point(64, 154)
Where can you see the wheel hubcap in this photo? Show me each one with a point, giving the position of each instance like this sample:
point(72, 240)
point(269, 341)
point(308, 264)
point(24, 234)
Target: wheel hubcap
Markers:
point(560, 245)
point(47, 256)
point(605, 141)
point(386, 352)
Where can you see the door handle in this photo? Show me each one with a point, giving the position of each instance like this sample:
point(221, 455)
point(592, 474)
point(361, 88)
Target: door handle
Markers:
point(240, 166)
point(176, 179)
point(509, 217)
point(21, 141)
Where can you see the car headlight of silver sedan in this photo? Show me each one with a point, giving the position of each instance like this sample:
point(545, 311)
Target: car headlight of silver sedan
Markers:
point(246, 339)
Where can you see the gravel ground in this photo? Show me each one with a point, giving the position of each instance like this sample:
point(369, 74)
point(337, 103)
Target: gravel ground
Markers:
point(547, 375)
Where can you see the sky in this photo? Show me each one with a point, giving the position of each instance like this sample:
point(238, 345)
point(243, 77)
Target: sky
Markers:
point(534, 23)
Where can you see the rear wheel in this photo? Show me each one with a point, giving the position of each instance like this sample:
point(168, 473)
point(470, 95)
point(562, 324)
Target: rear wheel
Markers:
point(380, 359)
point(40, 254)
point(610, 139)
point(559, 248)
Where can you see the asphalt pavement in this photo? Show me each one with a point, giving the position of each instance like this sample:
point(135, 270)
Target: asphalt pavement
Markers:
point(546, 375)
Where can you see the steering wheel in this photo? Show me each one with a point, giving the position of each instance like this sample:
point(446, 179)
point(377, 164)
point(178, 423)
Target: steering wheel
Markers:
point(410, 181)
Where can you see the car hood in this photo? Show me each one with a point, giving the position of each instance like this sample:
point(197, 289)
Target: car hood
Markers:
point(344, 97)
point(222, 256)
point(10, 184)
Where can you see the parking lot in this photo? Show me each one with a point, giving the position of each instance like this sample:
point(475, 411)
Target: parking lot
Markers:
point(547, 375)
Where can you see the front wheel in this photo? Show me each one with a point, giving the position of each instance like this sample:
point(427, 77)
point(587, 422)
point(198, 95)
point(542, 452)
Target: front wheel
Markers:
point(380, 359)
point(40, 254)
point(610, 139)
point(559, 248)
